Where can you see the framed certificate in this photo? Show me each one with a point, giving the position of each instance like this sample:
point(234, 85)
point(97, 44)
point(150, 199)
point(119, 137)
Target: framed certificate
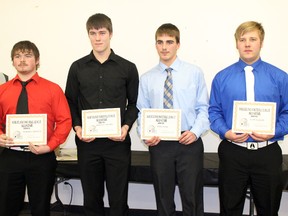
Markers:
point(25, 128)
point(164, 123)
point(251, 117)
point(101, 123)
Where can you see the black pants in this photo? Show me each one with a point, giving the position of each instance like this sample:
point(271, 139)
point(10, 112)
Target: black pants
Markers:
point(171, 161)
point(100, 161)
point(261, 169)
point(20, 169)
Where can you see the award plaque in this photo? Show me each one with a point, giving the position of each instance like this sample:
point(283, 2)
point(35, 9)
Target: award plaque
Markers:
point(251, 117)
point(25, 128)
point(164, 123)
point(101, 123)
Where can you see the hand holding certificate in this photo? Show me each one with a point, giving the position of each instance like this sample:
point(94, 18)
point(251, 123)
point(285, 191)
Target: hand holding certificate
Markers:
point(251, 117)
point(164, 123)
point(101, 123)
point(25, 128)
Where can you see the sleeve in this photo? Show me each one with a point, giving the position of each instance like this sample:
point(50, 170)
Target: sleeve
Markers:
point(202, 103)
point(282, 114)
point(216, 116)
point(132, 93)
point(72, 92)
point(62, 118)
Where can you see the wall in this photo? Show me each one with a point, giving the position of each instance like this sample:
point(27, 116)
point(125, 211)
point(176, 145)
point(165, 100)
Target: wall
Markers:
point(207, 28)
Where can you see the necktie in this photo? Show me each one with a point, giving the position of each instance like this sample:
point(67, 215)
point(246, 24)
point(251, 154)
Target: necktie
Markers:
point(249, 76)
point(22, 105)
point(168, 90)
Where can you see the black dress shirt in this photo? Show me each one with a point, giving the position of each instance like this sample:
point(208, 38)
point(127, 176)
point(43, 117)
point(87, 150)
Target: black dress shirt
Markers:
point(94, 85)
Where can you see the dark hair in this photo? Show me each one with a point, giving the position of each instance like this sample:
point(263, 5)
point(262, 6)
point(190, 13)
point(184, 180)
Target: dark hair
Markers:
point(170, 30)
point(99, 20)
point(26, 46)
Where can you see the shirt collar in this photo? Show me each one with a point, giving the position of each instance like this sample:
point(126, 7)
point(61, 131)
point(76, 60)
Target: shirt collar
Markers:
point(242, 64)
point(112, 56)
point(175, 65)
point(35, 77)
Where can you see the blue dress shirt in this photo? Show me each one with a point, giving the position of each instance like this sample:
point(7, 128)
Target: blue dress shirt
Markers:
point(189, 94)
point(271, 85)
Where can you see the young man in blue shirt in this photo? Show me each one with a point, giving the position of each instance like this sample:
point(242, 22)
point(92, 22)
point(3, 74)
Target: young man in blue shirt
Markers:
point(240, 166)
point(181, 159)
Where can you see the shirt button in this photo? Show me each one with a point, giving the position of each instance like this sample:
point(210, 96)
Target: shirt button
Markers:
point(100, 77)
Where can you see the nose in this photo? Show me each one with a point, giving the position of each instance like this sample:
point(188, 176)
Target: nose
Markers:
point(97, 37)
point(247, 43)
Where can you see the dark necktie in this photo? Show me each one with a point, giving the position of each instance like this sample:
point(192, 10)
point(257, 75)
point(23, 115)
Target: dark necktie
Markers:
point(168, 90)
point(22, 105)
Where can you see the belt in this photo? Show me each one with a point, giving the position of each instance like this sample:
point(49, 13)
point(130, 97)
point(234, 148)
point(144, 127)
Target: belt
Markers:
point(20, 148)
point(253, 145)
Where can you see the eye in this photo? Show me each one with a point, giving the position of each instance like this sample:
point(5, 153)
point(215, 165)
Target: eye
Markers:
point(28, 55)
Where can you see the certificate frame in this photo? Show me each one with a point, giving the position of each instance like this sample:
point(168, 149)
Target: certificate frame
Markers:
point(251, 117)
point(101, 123)
point(164, 123)
point(26, 128)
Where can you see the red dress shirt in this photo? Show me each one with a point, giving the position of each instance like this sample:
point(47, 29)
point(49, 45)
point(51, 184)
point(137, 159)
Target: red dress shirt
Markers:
point(44, 97)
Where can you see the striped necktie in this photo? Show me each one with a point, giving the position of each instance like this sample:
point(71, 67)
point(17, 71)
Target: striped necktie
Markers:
point(168, 90)
point(249, 76)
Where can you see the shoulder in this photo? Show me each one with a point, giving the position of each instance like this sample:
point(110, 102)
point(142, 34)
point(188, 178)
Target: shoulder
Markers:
point(152, 72)
point(49, 84)
point(273, 68)
point(229, 70)
point(123, 62)
point(81, 60)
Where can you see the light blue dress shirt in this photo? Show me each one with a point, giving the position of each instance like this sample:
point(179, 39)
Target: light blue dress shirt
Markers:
point(189, 94)
point(271, 85)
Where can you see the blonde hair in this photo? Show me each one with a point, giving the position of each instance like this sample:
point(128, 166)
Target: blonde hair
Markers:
point(248, 27)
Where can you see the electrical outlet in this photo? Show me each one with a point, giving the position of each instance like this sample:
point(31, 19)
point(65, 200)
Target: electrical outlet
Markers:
point(66, 187)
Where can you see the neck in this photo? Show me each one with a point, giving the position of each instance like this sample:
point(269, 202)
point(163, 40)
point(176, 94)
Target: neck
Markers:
point(102, 56)
point(25, 77)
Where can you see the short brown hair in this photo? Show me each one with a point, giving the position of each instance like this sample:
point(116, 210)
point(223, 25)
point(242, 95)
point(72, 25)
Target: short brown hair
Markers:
point(26, 46)
point(170, 30)
point(98, 21)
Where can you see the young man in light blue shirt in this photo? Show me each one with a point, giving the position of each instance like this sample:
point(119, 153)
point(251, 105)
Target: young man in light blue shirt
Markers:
point(181, 159)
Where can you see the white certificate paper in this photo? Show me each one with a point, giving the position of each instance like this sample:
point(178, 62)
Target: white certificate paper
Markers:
point(25, 128)
point(101, 123)
point(164, 123)
point(251, 117)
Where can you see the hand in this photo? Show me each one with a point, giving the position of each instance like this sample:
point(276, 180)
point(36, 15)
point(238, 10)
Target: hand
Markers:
point(238, 138)
point(124, 132)
point(260, 137)
point(4, 140)
point(153, 141)
point(187, 138)
point(78, 130)
point(39, 149)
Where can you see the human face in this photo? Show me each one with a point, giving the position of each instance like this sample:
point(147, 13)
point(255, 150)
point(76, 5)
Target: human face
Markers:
point(100, 40)
point(25, 62)
point(167, 48)
point(249, 46)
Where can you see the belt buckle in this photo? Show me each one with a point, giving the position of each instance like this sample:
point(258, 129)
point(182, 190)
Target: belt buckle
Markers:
point(252, 145)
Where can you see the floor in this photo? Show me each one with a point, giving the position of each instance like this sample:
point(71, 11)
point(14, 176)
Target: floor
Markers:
point(77, 211)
